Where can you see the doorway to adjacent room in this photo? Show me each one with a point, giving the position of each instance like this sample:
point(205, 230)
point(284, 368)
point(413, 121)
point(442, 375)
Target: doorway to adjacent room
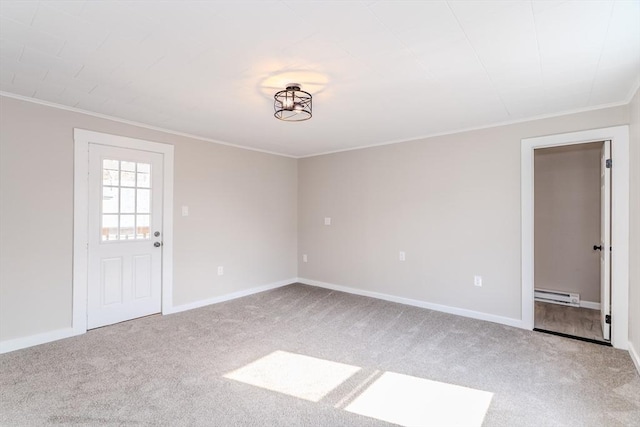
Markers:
point(572, 223)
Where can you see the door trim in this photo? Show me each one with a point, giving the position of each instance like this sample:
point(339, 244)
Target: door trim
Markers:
point(619, 136)
point(82, 139)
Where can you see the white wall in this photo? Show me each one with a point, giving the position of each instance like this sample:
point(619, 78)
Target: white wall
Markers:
point(634, 227)
point(242, 215)
point(567, 219)
point(451, 202)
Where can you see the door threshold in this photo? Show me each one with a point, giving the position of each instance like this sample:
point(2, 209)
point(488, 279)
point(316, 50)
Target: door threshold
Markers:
point(574, 337)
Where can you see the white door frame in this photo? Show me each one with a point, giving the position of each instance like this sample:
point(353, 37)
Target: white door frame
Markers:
point(619, 136)
point(82, 140)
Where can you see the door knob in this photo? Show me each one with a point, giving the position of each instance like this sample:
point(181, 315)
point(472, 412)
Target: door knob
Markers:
point(597, 248)
point(157, 244)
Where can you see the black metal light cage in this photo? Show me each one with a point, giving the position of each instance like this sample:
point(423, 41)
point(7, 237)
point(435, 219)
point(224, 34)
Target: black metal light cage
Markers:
point(292, 104)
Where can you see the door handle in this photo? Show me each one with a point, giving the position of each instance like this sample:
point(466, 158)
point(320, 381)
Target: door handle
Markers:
point(597, 248)
point(157, 244)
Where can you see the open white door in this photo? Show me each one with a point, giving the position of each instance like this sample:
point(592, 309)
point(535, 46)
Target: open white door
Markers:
point(605, 239)
point(125, 234)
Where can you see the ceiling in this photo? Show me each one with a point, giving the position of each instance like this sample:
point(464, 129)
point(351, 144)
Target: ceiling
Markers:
point(379, 71)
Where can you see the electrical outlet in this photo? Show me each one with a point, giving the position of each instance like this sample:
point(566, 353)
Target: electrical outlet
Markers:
point(304, 258)
point(477, 281)
point(185, 211)
point(327, 220)
point(220, 270)
point(402, 256)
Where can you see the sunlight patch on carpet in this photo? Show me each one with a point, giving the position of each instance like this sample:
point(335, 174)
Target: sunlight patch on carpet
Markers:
point(410, 401)
point(293, 374)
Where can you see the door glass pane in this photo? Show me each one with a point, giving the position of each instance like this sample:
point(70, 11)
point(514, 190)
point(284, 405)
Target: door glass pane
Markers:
point(127, 226)
point(110, 172)
point(109, 199)
point(142, 227)
point(144, 175)
point(128, 166)
point(126, 191)
point(128, 200)
point(128, 174)
point(143, 202)
point(109, 227)
point(144, 180)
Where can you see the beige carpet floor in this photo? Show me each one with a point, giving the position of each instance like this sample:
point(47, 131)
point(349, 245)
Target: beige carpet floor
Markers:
point(305, 356)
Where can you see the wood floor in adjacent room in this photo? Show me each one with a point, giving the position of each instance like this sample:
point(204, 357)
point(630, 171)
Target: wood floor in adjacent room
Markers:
point(306, 356)
point(577, 321)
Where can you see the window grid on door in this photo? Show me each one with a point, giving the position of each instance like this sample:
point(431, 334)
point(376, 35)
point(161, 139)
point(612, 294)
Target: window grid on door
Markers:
point(126, 200)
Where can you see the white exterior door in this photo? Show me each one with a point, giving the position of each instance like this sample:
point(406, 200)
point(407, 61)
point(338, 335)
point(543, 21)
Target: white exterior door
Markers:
point(124, 234)
point(605, 239)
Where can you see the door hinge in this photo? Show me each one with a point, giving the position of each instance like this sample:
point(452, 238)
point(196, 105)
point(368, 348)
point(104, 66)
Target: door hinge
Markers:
point(608, 163)
point(607, 319)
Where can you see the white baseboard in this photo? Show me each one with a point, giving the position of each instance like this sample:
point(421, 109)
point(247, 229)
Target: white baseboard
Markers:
point(37, 339)
point(228, 297)
point(591, 305)
point(635, 356)
point(417, 303)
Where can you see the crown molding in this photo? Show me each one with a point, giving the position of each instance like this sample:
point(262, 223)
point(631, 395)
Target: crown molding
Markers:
point(137, 124)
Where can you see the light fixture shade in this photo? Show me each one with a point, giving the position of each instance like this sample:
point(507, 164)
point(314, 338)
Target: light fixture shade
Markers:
point(292, 104)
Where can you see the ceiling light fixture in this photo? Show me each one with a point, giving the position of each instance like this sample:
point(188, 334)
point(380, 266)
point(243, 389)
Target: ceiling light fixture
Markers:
point(292, 104)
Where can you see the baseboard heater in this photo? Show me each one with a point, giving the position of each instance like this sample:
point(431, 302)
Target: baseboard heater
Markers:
point(557, 297)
